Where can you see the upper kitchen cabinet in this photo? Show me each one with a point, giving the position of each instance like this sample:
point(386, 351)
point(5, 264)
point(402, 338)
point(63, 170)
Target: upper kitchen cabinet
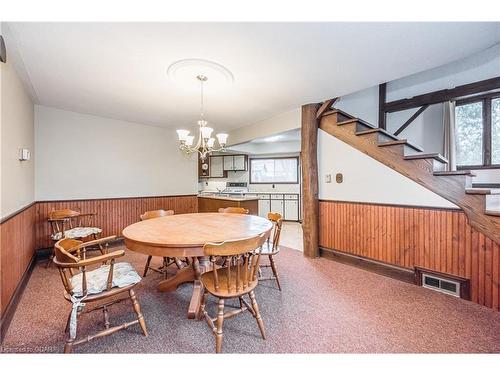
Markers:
point(235, 163)
point(217, 166)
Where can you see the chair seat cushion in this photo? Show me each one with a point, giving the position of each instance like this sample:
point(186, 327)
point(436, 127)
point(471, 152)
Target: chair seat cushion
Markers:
point(78, 232)
point(124, 274)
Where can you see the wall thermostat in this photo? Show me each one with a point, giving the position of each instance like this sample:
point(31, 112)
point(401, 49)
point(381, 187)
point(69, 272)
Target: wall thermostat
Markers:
point(24, 154)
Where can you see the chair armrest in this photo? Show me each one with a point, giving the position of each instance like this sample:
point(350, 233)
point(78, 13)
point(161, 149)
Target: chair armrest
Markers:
point(92, 243)
point(98, 259)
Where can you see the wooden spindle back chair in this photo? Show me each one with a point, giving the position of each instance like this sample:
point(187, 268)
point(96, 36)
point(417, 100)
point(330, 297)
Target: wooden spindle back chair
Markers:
point(72, 224)
point(167, 262)
point(238, 278)
point(84, 282)
point(234, 210)
point(156, 213)
point(271, 248)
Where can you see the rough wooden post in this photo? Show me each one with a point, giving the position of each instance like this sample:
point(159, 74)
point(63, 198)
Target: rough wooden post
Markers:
point(310, 204)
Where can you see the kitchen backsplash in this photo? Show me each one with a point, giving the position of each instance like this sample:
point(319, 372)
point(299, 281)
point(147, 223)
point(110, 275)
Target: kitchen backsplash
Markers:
point(220, 183)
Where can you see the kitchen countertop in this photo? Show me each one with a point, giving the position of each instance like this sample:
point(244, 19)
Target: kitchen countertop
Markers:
point(272, 192)
point(224, 198)
point(262, 192)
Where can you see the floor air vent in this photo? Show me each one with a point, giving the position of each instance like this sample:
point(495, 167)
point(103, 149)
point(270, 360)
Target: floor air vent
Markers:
point(441, 285)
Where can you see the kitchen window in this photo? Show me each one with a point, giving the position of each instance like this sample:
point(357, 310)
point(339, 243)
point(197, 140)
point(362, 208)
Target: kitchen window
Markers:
point(274, 170)
point(477, 124)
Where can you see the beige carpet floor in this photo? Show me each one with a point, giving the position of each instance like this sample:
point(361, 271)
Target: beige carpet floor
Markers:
point(325, 307)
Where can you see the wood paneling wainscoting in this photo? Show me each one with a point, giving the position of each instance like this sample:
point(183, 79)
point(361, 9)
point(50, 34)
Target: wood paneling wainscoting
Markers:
point(409, 237)
point(17, 251)
point(113, 215)
point(27, 230)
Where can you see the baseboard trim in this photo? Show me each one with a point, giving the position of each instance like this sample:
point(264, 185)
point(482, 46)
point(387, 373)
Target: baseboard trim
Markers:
point(16, 297)
point(371, 265)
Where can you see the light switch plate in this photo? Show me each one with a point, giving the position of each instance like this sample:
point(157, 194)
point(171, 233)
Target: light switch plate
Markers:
point(328, 178)
point(24, 154)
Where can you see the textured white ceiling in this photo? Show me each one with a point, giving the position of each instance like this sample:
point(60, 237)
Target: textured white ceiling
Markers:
point(118, 70)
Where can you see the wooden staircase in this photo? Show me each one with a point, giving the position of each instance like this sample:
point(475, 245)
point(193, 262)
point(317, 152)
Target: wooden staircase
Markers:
point(481, 205)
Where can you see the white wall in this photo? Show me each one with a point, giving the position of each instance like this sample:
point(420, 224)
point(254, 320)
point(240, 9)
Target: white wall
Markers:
point(478, 67)
point(81, 156)
point(365, 179)
point(427, 129)
point(16, 132)
point(362, 104)
point(277, 124)
point(267, 148)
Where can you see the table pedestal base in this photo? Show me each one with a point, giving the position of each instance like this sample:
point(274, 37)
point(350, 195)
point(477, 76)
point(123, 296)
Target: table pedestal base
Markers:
point(188, 274)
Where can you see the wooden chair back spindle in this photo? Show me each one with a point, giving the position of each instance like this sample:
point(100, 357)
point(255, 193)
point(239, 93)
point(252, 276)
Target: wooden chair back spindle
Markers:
point(166, 260)
point(277, 220)
point(241, 259)
point(156, 213)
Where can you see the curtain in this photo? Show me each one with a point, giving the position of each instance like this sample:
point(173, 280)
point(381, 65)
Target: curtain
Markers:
point(449, 138)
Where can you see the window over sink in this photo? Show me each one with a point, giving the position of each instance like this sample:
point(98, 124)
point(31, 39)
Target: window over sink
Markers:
point(284, 170)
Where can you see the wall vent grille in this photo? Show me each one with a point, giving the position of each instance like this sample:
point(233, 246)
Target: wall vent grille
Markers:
point(441, 285)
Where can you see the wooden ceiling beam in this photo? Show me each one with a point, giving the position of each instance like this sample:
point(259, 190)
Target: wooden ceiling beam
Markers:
point(326, 106)
point(411, 119)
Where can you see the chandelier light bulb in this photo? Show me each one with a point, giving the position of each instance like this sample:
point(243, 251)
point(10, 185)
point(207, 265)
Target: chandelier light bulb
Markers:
point(182, 134)
point(206, 132)
point(189, 140)
point(222, 138)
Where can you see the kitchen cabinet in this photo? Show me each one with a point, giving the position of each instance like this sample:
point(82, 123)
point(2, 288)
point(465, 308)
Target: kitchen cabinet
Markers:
point(285, 204)
point(277, 206)
point(240, 162)
point(292, 210)
point(235, 163)
point(217, 166)
point(264, 207)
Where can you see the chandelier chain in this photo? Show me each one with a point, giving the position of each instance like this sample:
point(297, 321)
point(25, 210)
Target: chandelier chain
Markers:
point(201, 101)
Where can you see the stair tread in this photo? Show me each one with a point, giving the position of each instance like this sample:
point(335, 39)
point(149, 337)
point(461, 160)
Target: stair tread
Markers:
point(401, 142)
point(463, 172)
point(492, 213)
point(332, 111)
point(378, 130)
point(367, 124)
point(431, 155)
point(485, 191)
point(486, 185)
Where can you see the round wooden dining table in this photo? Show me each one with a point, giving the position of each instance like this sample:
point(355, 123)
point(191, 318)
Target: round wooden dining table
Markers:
point(184, 235)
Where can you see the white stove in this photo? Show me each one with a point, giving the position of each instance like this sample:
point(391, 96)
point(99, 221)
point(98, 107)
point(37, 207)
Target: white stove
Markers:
point(235, 188)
